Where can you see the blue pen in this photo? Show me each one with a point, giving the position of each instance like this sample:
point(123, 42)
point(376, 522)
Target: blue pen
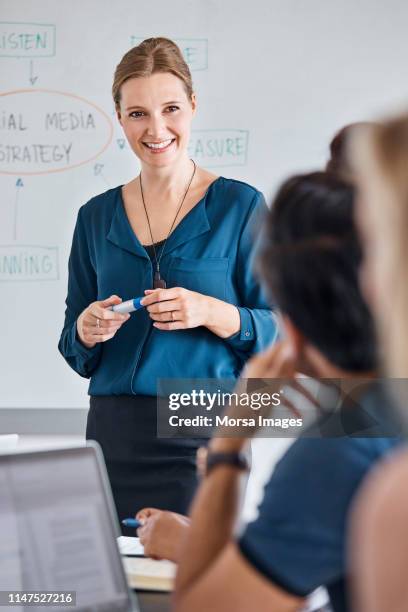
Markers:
point(128, 306)
point(133, 523)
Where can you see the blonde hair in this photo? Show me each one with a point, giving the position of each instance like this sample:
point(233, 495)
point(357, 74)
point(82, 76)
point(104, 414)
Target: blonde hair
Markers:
point(151, 56)
point(380, 154)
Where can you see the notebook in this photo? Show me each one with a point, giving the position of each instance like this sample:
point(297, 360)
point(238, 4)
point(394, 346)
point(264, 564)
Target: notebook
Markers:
point(130, 547)
point(149, 574)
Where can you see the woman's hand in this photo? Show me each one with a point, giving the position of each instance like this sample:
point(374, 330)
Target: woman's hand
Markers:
point(97, 323)
point(176, 308)
point(180, 308)
point(162, 532)
point(277, 361)
point(272, 365)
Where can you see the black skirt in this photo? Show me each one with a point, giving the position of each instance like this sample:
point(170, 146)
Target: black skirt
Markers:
point(143, 469)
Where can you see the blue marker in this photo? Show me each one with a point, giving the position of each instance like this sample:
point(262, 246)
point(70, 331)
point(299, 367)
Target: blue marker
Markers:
point(133, 523)
point(128, 306)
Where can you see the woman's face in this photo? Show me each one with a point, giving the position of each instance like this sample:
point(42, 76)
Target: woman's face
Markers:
point(156, 115)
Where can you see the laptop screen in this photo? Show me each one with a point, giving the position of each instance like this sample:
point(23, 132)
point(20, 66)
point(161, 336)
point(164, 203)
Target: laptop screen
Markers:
point(58, 529)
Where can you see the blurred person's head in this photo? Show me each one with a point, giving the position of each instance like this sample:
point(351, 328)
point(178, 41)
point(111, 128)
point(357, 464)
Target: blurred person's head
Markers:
point(310, 261)
point(379, 154)
point(339, 162)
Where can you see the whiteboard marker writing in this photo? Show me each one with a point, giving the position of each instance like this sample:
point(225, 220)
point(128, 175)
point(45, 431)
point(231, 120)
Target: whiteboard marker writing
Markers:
point(128, 306)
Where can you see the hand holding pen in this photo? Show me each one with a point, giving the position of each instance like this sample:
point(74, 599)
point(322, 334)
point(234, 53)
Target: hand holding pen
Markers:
point(98, 323)
point(101, 320)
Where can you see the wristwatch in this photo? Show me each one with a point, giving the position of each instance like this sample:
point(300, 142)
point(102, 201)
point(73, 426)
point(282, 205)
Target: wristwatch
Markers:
point(234, 459)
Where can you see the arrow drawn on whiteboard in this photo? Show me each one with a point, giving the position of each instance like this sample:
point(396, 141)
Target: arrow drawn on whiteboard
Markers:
point(121, 143)
point(32, 77)
point(19, 184)
point(98, 169)
point(98, 172)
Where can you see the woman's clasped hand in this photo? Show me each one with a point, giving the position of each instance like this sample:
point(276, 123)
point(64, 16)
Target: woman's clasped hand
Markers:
point(98, 323)
point(176, 308)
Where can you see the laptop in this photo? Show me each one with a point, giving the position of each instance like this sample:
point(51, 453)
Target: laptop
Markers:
point(58, 530)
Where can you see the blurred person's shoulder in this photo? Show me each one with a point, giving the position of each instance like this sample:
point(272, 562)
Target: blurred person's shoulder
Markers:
point(378, 535)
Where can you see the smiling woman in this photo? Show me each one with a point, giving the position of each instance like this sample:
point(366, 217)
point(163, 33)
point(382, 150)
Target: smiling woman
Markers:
point(159, 125)
point(182, 237)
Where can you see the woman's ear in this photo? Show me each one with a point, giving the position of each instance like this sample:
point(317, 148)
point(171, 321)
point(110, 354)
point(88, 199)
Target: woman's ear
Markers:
point(193, 103)
point(119, 115)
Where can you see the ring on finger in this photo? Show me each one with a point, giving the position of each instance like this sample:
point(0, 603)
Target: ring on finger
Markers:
point(98, 323)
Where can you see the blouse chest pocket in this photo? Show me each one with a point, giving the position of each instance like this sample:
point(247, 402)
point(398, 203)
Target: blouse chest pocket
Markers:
point(204, 275)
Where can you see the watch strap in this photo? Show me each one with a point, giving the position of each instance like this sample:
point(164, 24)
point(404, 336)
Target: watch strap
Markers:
point(237, 460)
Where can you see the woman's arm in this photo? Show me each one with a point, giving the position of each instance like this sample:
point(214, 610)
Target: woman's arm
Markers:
point(82, 290)
point(258, 323)
point(223, 319)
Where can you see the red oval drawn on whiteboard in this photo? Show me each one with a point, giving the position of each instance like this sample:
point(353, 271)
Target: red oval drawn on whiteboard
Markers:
point(102, 114)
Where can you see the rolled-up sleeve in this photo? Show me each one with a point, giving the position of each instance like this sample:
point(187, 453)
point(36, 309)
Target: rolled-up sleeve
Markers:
point(259, 327)
point(82, 290)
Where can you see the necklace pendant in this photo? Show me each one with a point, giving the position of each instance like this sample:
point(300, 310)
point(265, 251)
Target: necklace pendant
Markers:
point(158, 282)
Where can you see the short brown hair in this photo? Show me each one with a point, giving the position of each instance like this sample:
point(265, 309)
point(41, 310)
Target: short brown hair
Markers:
point(151, 56)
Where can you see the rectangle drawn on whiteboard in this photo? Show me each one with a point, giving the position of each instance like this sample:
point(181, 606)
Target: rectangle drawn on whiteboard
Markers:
point(213, 148)
point(194, 50)
point(27, 39)
point(28, 263)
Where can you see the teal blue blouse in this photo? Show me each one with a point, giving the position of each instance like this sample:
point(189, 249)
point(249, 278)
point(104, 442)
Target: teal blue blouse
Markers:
point(210, 251)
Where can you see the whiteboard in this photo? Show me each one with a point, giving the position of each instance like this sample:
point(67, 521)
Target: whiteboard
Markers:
point(274, 80)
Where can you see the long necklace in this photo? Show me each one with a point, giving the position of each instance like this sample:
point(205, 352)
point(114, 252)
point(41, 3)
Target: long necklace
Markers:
point(158, 282)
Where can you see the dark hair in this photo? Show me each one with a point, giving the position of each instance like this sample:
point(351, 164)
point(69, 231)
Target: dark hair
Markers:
point(339, 163)
point(310, 259)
